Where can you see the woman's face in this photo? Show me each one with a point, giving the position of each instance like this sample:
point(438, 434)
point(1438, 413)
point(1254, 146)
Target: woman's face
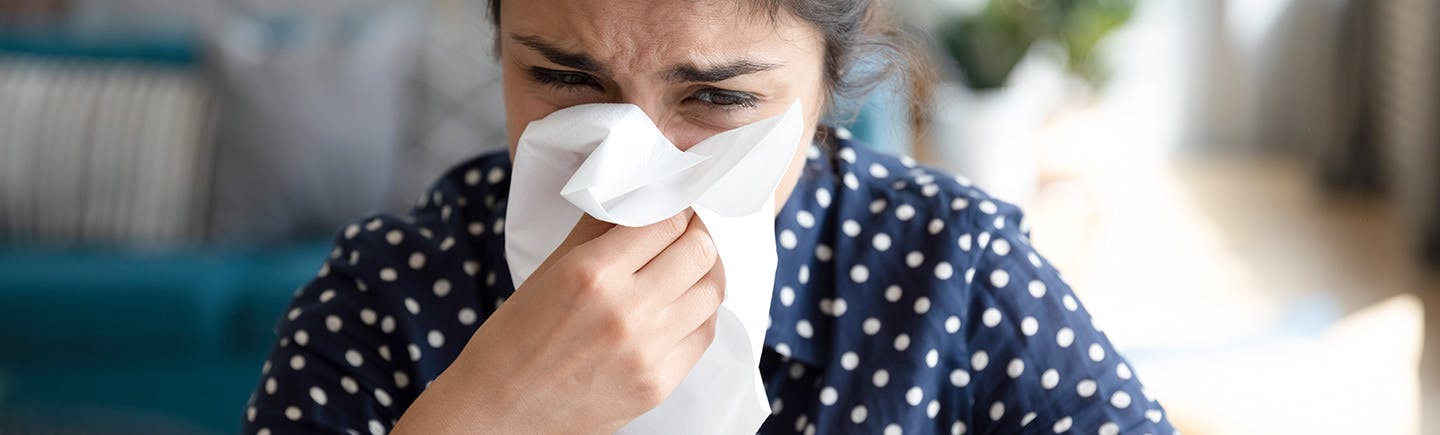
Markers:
point(696, 67)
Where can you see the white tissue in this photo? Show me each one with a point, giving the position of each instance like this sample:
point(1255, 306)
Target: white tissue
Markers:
point(612, 162)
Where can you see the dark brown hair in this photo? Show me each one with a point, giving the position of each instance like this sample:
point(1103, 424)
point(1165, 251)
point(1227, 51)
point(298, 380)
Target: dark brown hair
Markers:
point(863, 47)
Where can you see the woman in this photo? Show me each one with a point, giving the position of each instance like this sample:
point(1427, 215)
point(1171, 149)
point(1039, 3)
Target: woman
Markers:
point(905, 299)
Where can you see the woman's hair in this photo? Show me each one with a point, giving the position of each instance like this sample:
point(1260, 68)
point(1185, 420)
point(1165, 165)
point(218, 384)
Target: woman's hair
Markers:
point(864, 46)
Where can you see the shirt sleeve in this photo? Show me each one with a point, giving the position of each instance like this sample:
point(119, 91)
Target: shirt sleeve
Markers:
point(390, 308)
point(1036, 359)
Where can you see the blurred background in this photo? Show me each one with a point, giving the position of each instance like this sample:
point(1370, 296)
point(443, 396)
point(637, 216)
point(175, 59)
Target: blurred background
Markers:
point(1245, 193)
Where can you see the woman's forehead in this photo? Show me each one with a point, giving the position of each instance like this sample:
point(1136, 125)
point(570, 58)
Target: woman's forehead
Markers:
point(639, 34)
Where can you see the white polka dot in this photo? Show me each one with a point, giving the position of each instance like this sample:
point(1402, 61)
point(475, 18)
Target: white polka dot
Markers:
point(881, 242)
point(387, 324)
point(1120, 400)
point(847, 153)
point(333, 323)
point(270, 385)
point(823, 252)
point(327, 295)
point(982, 240)
point(1062, 425)
point(441, 287)
point(414, 351)
point(850, 228)
point(1109, 428)
point(294, 313)
point(997, 410)
point(435, 338)
point(1037, 288)
point(959, 378)
point(1153, 415)
point(932, 358)
point(402, 380)
point(787, 239)
point(784, 350)
point(990, 317)
point(870, 326)
point(1123, 371)
point(368, 316)
point(929, 190)
point(1029, 417)
point(1085, 388)
point(293, 413)
point(914, 259)
point(878, 171)
point(804, 328)
point(1049, 379)
point(318, 395)
point(822, 197)
point(858, 414)
point(999, 278)
point(904, 212)
point(250, 414)
point(922, 305)
point(302, 338)
point(467, 316)
point(878, 205)
point(1064, 337)
point(1001, 247)
point(384, 352)
point(471, 267)
point(1029, 326)
point(958, 428)
point(395, 237)
point(796, 370)
point(387, 274)
point(892, 429)
point(351, 230)
point(881, 378)
point(988, 207)
point(902, 342)
point(914, 395)
point(839, 307)
point(475, 228)
point(376, 428)
point(297, 362)
point(851, 182)
point(353, 357)
point(1070, 303)
point(964, 242)
point(382, 397)
point(417, 261)
point(859, 273)
point(805, 218)
point(828, 396)
point(849, 360)
point(776, 406)
point(952, 324)
point(943, 270)
point(979, 360)
point(1034, 259)
point(412, 306)
point(936, 225)
point(787, 295)
point(1015, 368)
point(893, 293)
point(495, 175)
point(1097, 353)
point(349, 384)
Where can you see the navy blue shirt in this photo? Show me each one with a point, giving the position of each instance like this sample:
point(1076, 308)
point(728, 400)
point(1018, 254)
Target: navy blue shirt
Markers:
point(906, 301)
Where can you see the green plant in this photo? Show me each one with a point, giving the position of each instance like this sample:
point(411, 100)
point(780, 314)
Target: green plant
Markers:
point(987, 45)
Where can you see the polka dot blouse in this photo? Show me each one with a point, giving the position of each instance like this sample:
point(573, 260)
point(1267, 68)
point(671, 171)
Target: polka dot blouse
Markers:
point(905, 301)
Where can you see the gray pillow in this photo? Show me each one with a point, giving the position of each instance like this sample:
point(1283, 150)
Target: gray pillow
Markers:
point(314, 100)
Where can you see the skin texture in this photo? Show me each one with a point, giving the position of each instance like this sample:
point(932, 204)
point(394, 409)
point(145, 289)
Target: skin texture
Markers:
point(616, 317)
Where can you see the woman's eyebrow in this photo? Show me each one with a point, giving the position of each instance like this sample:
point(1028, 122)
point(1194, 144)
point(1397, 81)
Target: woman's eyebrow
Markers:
point(717, 73)
point(558, 55)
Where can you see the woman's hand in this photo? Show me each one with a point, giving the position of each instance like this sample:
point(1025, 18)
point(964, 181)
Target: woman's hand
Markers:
point(602, 332)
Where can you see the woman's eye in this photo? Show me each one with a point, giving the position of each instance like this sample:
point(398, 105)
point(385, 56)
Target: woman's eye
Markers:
point(719, 97)
point(563, 79)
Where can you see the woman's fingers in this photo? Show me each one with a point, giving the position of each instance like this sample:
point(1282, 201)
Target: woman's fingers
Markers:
point(699, 302)
point(688, 350)
point(585, 229)
point(627, 249)
point(677, 268)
